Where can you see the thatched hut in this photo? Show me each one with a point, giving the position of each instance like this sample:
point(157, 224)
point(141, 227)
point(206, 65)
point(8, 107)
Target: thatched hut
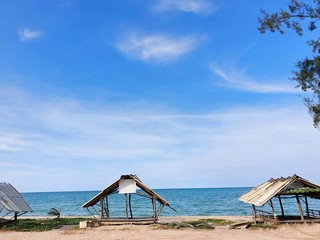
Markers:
point(11, 202)
point(126, 185)
point(282, 189)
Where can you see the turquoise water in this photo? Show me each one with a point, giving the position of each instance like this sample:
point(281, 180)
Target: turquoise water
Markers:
point(191, 202)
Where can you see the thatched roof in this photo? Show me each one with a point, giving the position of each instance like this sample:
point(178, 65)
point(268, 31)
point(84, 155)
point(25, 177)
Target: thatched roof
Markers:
point(12, 200)
point(261, 194)
point(114, 187)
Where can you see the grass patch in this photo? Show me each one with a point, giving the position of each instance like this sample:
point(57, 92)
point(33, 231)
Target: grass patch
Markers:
point(263, 226)
point(198, 224)
point(39, 225)
point(213, 221)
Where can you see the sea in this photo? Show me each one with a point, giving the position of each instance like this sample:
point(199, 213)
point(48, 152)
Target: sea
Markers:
point(184, 202)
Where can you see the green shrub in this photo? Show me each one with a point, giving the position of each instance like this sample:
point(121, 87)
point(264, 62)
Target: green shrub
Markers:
point(212, 221)
point(39, 225)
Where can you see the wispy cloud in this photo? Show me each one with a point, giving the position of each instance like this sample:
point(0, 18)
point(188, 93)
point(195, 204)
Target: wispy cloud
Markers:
point(158, 48)
point(12, 142)
point(27, 34)
point(239, 79)
point(202, 7)
point(61, 133)
point(5, 164)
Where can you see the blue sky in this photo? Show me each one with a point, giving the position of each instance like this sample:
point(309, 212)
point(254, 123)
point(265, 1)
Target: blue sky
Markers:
point(183, 93)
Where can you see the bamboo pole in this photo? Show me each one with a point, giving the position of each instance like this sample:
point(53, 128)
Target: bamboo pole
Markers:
point(307, 207)
point(160, 209)
point(126, 197)
point(154, 207)
point(281, 206)
point(94, 210)
point(254, 213)
point(271, 204)
point(130, 205)
point(107, 207)
point(300, 208)
point(101, 208)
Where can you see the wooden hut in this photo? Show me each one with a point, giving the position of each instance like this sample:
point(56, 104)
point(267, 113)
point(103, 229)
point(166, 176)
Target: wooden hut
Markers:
point(127, 186)
point(11, 202)
point(281, 189)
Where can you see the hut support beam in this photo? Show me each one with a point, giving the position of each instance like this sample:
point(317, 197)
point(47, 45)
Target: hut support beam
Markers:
point(130, 205)
point(101, 209)
point(300, 208)
point(154, 207)
point(272, 207)
point(88, 209)
point(254, 213)
point(281, 206)
point(307, 206)
point(160, 209)
point(107, 207)
point(126, 197)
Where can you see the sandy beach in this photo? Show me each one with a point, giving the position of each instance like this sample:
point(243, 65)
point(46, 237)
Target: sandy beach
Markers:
point(141, 232)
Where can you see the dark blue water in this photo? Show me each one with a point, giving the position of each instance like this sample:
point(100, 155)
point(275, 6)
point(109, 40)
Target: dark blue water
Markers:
point(192, 202)
point(187, 202)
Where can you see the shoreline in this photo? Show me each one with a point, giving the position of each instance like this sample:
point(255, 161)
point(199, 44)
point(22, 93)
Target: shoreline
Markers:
point(161, 219)
point(193, 218)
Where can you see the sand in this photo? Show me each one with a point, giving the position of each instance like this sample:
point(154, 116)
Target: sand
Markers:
point(146, 232)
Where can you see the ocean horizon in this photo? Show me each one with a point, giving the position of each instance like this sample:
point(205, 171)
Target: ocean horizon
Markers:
point(186, 202)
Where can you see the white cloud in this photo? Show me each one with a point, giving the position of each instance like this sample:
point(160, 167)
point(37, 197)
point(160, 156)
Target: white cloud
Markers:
point(239, 79)
point(194, 6)
point(69, 137)
point(27, 34)
point(6, 164)
point(11, 142)
point(157, 48)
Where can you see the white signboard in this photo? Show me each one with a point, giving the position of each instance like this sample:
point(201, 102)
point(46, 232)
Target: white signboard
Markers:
point(127, 186)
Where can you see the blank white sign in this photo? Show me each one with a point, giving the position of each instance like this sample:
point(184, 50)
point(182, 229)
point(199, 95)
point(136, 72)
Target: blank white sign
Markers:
point(127, 186)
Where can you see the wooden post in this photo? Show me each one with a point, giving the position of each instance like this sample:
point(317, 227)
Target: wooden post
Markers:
point(273, 212)
point(101, 208)
point(130, 205)
point(281, 206)
point(107, 207)
point(307, 207)
point(154, 207)
point(254, 213)
point(160, 209)
point(126, 196)
point(300, 208)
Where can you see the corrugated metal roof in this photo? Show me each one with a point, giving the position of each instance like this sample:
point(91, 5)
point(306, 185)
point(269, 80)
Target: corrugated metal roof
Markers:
point(115, 186)
point(12, 200)
point(261, 194)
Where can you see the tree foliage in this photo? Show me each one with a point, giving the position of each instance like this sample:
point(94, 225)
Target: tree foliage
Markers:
point(301, 16)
